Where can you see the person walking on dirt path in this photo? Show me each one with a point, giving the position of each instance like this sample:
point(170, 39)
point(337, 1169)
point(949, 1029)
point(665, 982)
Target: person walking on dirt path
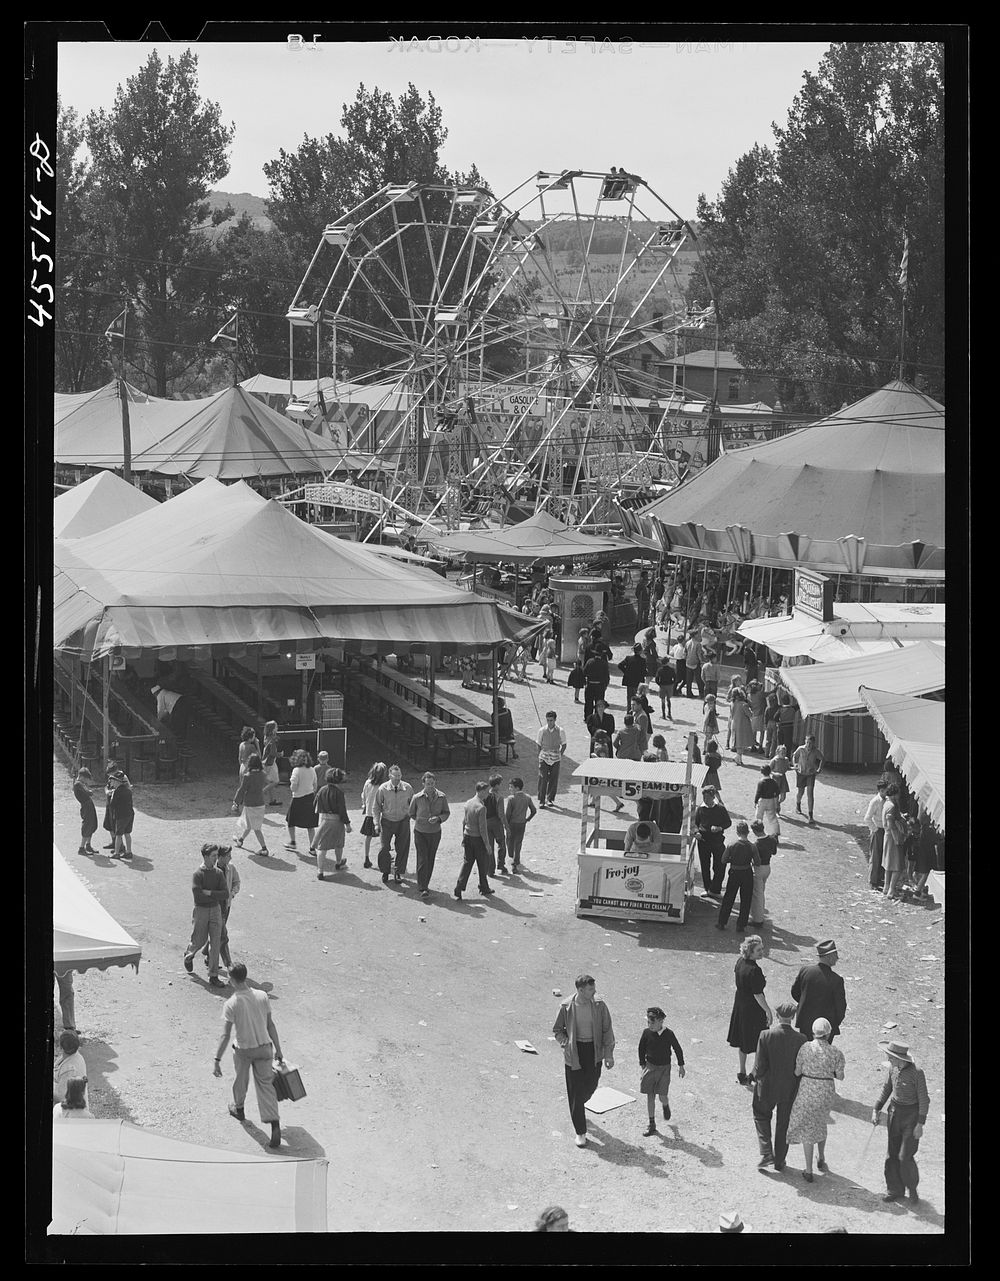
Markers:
point(377, 775)
point(905, 1089)
point(475, 842)
point(269, 757)
point(208, 886)
point(551, 741)
point(633, 670)
point(428, 809)
point(656, 1045)
point(224, 863)
point(248, 1014)
point(767, 847)
point(818, 1064)
point(820, 992)
point(583, 1029)
point(392, 815)
point(876, 835)
point(808, 761)
point(302, 806)
point(742, 859)
point(248, 803)
point(711, 819)
point(334, 823)
point(519, 810)
point(248, 747)
point(495, 826)
point(599, 720)
point(88, 810)
point(775, 1084)
point(597, 677)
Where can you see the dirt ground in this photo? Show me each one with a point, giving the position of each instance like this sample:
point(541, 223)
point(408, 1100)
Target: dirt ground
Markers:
point(402, 1015)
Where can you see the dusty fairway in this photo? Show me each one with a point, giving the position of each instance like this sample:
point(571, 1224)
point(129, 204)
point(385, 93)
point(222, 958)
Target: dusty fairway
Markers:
point(404, 1029)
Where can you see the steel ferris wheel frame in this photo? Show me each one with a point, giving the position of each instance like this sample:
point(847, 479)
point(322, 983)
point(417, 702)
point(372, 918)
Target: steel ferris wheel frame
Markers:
point(444, 279)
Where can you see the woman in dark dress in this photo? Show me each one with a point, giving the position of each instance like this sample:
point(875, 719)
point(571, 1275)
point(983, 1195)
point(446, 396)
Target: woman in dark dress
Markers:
point(751, 1013)
point(122, 814)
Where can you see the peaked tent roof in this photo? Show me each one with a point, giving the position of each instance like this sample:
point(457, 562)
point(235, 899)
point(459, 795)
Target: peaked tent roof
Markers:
point(99, 502)
point(113, 1178)
point(861, 492)
point(233, 435)
point(84, 935)
point(375, 395)
point(542, 537)
point(88, 428)
point(220, 565)
point(833, 687)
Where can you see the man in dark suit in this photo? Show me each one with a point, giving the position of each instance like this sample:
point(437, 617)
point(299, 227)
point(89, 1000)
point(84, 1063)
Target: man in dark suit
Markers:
point(820, 992)
point(775, 1085)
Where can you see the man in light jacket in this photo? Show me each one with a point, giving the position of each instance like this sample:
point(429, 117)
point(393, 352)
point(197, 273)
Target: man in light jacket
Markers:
point(583, 1029)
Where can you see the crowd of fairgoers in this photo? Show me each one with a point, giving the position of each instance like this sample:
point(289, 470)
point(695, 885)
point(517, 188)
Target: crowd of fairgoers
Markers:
point(786, 1055)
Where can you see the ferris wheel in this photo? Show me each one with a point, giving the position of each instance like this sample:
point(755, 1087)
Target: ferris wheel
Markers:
point(516, 339)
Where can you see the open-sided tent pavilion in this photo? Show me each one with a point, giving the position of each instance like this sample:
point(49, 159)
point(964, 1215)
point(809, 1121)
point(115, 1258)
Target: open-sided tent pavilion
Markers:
point(219, 567)
point(915, 731)
point(858, 493)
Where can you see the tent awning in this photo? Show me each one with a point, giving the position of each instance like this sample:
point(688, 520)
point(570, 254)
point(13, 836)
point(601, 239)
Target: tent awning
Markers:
point(221, 565)
point(922, 765)
point(84, 935)
point(833, 687)
point(903, 716)
point(111, 1177)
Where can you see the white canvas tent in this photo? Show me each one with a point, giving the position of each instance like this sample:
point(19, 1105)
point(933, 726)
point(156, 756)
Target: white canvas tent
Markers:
point(84, 935)
point(110, 1177)
point(95, 504)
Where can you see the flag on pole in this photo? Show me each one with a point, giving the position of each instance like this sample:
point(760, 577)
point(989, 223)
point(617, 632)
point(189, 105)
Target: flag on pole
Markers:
point(230, 331)
point(117, 327)
point(904, 263)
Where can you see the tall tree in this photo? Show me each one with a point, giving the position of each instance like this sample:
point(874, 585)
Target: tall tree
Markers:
point(155, 156)
point(805, 238)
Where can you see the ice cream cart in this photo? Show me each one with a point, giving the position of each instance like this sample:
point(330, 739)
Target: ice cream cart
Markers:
point(652, 881)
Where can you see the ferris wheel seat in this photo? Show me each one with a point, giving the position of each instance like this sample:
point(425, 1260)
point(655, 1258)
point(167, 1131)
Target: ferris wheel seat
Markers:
point(339, 233)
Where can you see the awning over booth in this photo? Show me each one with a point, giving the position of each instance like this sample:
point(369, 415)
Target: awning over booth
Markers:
point(84, 935)
point(99, 502)
point(221, 565)
point(110, 1177)
point(833, 687)
point(857, 630)
point(859, 492)
point(903, 716)
point(540, 538)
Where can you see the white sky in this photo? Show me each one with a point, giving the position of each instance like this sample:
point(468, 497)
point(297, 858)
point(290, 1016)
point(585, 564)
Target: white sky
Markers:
point(677, 114)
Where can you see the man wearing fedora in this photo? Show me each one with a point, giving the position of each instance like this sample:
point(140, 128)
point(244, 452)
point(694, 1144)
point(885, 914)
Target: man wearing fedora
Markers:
point(820, 992)
point(905, 1089)
point(775, 1085)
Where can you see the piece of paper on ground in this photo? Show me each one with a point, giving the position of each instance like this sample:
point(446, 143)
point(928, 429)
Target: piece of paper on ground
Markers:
point(605, 1099)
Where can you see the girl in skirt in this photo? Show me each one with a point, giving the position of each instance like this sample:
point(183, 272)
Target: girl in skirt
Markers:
point(549, 661)
point(710, 725)
point(780, 765)
point(655, 1047)
point(713, 760)
point(377, 775)
point(665, 682)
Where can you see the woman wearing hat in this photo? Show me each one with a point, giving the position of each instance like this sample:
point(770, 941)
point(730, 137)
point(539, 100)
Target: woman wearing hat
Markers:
point(818, 1064)
point(88, 810)
point(893, 842)
point(122, 813)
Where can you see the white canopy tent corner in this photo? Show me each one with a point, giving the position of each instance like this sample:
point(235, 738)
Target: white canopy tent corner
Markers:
point(915, 730)
point(85, 936)
point(113, 1178)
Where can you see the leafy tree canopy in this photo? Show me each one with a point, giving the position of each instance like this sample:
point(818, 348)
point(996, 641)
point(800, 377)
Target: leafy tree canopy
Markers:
point(806, 236)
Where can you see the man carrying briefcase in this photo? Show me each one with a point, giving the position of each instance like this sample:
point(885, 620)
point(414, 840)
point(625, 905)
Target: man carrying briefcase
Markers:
point(249, 1013)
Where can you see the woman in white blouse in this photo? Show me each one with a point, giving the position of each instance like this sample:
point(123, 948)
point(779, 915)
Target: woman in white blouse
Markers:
point(302, 811)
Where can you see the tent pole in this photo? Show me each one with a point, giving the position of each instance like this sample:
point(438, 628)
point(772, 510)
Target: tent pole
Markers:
point(432, 663)
point(105, 720)
point(494, 651)
point(260, 686)
point(517, 580)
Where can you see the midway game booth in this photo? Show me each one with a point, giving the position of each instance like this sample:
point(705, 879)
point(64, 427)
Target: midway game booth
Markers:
point(652, 884)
